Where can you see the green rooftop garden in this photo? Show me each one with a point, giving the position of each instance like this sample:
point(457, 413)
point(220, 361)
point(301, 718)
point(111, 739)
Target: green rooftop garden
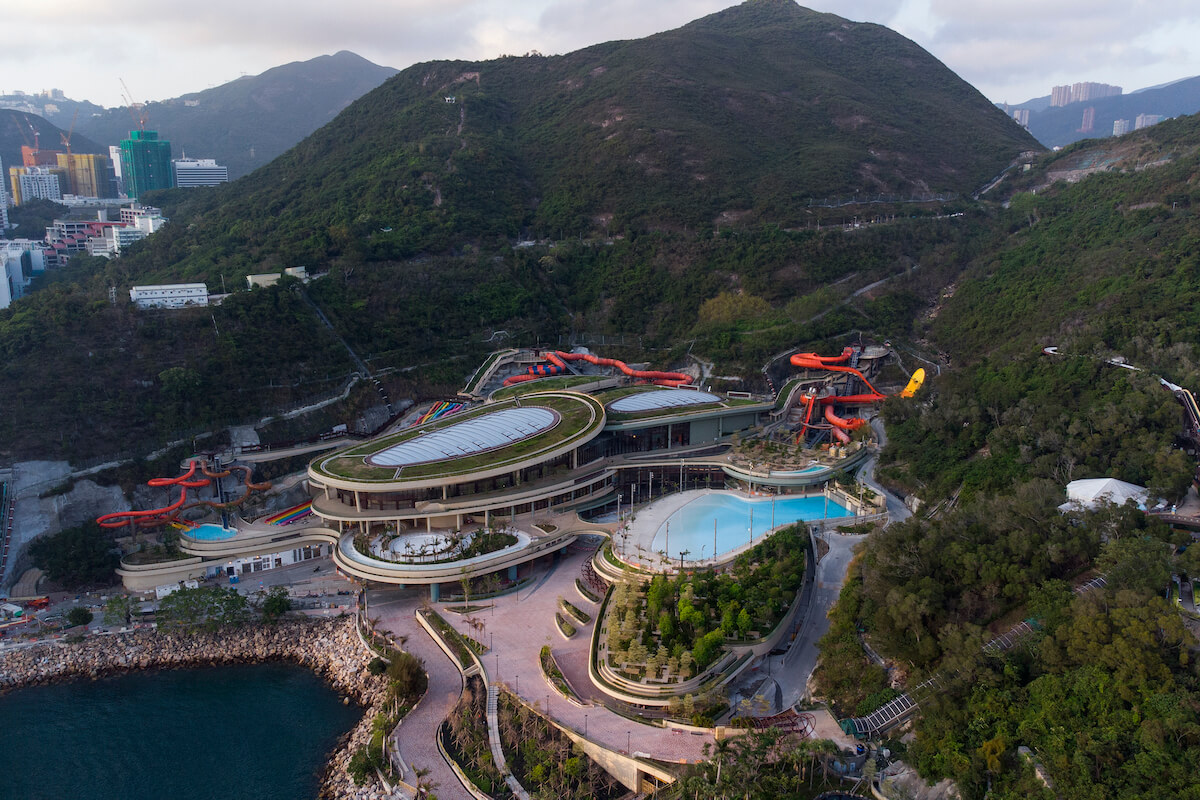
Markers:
point(579, 416)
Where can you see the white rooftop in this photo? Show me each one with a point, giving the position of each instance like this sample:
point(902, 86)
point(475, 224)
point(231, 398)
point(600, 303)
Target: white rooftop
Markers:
point(1091, 491)
point(476, 435)
point(666, 398)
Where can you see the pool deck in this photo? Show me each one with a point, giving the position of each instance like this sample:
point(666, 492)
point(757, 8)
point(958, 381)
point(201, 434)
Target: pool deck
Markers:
point(648, 519)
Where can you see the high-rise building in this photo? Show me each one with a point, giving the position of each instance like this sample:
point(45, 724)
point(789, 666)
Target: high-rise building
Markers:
point(36, 157)
point(1081, 92)
point(32, 183)
point(88, 174)
point(1146, 120)
point(1021, 115)
point(1120, 127)
point(199, 172)
point(1089, 120)
point(3, 204)
point(145, 163)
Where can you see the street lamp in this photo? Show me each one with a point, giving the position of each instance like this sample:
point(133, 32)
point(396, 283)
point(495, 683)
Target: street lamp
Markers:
point(628, 747)
point(585, 725)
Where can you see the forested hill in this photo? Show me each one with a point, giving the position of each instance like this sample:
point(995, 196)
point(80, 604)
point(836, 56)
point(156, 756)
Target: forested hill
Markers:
point(1095, 254)
point(247, 122)
point(745, 116)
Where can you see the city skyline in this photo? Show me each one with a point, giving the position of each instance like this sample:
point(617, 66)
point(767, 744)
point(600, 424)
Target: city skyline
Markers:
point(1011, 54)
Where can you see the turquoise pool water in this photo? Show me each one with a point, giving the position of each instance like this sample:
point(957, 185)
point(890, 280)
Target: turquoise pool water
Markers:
point(805, 471)
point(211, 533)
point(691, 527)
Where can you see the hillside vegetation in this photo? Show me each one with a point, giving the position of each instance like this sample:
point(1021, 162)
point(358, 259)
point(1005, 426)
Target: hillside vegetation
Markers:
point(742, 117)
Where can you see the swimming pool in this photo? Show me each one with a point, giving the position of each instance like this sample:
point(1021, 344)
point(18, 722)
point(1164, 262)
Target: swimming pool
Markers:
point(692, 526)
point(210, 532)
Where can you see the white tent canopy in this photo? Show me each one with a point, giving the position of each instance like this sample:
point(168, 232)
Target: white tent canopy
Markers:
point(1090, 492)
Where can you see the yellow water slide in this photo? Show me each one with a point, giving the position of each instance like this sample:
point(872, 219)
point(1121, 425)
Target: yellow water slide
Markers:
point(914, 383)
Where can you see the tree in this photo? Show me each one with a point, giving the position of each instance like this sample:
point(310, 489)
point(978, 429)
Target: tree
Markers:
point(76, 557)
point(1136, 562)
point(118, 610)
point(276, 604)
point(79, 616)
point(208, 608)
point(407, 675)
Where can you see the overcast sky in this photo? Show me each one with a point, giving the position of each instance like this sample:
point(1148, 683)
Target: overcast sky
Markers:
point(1011, 50)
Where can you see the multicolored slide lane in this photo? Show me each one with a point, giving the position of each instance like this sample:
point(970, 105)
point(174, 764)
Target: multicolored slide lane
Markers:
point(290, 515)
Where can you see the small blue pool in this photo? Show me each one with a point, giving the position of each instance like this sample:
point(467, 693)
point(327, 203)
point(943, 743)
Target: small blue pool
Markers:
point(728, 519)
point(805, 471)
point(210, 532)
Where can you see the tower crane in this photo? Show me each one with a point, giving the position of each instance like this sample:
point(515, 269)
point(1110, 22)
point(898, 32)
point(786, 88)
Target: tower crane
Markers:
point(66, 137)
point(137, 111)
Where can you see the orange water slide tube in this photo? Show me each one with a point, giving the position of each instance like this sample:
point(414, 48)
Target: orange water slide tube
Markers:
point(182, 480)
point(852, 424)
point(513, 380)
point(661, 378)
point(831, 363)
point(119, 519)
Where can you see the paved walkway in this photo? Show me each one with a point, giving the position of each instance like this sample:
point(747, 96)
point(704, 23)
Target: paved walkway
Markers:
point(417, 734)
point(517, 628)
point(897, 511)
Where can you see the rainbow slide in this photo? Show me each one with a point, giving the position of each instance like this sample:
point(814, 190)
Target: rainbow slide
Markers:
point(437, 411)
point(290, 515)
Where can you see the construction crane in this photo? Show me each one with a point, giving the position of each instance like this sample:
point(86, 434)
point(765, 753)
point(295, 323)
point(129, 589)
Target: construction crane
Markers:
point(66, 137)
point(137, 111)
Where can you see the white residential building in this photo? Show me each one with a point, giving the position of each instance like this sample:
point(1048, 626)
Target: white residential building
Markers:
point(39, 183)
point(1146, 120)
point(190, 172)
point(169, 295)
point(1120, 127)
point(19, 260)
point(3, 201)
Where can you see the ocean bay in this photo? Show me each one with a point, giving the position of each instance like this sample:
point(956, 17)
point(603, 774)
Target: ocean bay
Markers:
point(261, 730)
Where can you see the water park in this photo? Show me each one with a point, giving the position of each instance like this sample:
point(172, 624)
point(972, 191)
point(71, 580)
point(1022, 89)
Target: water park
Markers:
point(540, 448)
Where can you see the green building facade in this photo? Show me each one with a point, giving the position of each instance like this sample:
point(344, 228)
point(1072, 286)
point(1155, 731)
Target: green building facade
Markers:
point(145, 163)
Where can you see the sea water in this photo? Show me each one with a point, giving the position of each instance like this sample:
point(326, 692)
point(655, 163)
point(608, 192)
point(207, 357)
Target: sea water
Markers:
point(261, 731)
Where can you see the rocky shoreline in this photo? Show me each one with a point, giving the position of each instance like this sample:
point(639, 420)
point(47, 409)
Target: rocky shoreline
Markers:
point(331, 648)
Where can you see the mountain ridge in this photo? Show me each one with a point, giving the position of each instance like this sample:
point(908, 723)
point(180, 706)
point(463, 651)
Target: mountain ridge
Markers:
point(743, 115)
point(226, 122)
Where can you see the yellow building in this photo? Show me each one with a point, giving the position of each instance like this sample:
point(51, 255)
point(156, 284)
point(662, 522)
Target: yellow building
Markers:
point(87, 174)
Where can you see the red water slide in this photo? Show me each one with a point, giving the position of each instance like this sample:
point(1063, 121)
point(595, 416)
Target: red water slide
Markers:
point(661, 378)
point(149, 517)
point(159, 516)
point(814, 361)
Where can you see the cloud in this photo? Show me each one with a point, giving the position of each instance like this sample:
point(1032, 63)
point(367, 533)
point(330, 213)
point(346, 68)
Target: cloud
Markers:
point(167, 49)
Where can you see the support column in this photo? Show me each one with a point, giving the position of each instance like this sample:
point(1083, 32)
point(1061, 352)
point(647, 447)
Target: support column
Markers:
point(458, 521)
point(429, 524)
point(512, 573)
point(487, 518)
point(357, 500)
point(435, 592)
